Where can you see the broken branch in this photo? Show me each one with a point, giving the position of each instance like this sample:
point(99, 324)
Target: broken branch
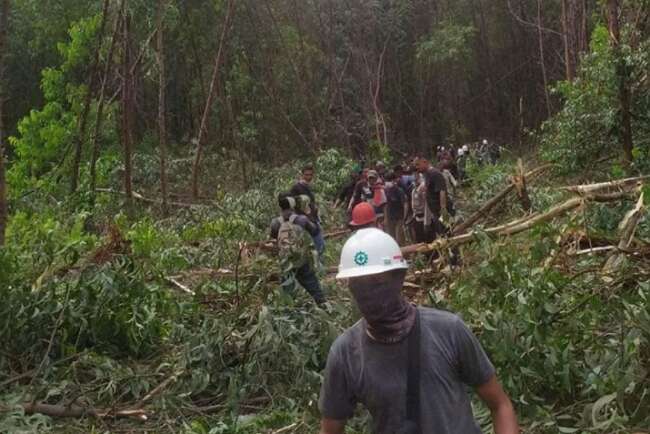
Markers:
point(517, 226)
point(490, 204)
point(76, 411)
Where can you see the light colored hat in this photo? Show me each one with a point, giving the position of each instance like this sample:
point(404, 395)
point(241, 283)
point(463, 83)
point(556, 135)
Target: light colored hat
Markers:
point(370, 251)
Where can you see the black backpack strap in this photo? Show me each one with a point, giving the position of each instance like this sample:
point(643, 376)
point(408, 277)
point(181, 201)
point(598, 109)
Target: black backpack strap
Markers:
point(413, 375)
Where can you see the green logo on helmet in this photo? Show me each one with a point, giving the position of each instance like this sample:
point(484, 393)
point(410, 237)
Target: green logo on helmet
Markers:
point(361, 258)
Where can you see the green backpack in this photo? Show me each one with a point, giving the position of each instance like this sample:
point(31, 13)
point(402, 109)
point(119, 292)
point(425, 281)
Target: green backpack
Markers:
point(294, 243)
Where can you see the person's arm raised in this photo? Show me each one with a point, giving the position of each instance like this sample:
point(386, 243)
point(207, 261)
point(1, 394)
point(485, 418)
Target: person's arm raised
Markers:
point(503, 413)
point(332, 426)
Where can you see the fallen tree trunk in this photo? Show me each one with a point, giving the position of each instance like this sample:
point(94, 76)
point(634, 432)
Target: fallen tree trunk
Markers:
point(592, 188)
point(336, 234)
point(517, 226)
point(76, 411)
point(490, 204)
point(627, 229)
point(141, 198)
point(520, 185)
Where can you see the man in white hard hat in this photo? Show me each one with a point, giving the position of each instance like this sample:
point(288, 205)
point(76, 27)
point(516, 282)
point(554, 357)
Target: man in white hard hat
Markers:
point(410, 366)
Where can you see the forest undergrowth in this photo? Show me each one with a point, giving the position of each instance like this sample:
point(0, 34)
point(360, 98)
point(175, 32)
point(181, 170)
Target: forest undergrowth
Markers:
point(142, 322)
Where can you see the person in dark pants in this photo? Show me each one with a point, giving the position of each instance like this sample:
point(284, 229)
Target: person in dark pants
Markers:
point(418, 205)
point(303, 187)
point(293, 233)
point(347, 190)
point(396, 209)
point(440, 207)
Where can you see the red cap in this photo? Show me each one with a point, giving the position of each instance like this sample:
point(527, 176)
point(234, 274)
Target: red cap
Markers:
point(363, 214)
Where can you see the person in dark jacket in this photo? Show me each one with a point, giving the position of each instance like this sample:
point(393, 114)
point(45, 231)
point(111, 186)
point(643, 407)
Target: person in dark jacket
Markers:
point(303, 187)
point(304, 270)
point(347, 190)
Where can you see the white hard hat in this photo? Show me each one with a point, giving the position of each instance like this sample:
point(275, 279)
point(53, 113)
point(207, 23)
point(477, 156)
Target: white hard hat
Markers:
point(465, 148)
point(461, 152)
point(370, 251)
point(485, 142)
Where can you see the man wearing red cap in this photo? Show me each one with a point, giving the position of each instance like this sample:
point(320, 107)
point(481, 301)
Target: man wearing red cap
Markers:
point(363, 216)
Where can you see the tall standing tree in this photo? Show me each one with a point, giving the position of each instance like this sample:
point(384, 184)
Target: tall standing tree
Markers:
point(127, 96)
point(162, 110)
point(83, 119)
point(99, 115)
point(196, 167)
point(4, 22)
point(622, 74)
point(542, 58)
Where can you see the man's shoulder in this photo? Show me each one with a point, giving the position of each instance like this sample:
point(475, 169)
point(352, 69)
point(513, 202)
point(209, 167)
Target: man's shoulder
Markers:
point(301, 220)
point(440, 319)
point(349, 339)
point(297, 188)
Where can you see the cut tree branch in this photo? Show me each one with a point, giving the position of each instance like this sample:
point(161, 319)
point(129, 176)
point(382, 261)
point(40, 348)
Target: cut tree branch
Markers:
point(79, 412)
point(517, 226)
point(490, 204)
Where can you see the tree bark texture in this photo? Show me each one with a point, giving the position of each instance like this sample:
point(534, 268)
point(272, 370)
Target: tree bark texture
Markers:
point(542, 61)
point(162, 108)
point(83, 119)
point(99, 117)
point(574, 34)
point(623, 75)
point(4, 22)
point(127, 105)
point(196, 167)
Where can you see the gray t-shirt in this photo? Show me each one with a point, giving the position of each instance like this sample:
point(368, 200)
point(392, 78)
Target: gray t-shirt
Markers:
point(360, 370)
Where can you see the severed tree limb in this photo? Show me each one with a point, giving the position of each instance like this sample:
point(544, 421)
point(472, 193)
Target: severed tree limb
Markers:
point(520, 185)
point(76, 411)
point(162, 386)
point(517, 226)
point(141, 198)
point(336, 234)
point(179, 285)
point(627, 229)
point(592, 188)
point(629, 224)
point(490, 204)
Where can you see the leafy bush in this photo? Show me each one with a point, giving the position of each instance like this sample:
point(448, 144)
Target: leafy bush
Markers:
point(587, 126)
point(555, 338)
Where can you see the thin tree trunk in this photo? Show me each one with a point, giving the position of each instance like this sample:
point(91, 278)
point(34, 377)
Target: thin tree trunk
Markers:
point(162, 110)
point(4, 21)
point(83, 120)
point(99, 117)
point(542, 61)
point(569, 67)
point(622, 73)
point(196, 167)
point(127, 107)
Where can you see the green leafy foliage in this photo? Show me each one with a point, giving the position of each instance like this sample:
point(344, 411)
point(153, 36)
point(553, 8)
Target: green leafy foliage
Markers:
point(45, 136)
point(447, 43)
point(588, 125)
point(556, 338)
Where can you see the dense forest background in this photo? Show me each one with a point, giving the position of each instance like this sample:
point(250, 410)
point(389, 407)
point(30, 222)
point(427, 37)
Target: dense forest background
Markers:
point(143, 143)
point(270, 81)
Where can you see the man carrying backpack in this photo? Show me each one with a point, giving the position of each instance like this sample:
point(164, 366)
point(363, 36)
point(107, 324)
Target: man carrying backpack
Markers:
point(304, 188)
point(293, 233)
point(410, 366)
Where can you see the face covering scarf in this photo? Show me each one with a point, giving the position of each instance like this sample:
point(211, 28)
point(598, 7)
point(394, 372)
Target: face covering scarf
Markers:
point(388, 315)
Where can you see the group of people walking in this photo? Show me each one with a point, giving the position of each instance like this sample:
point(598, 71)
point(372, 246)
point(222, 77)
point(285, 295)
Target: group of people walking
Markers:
point(410, 366)
point(414, 202)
